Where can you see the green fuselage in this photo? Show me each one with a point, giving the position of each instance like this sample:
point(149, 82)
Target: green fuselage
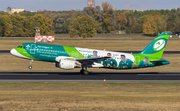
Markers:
point(53, 53)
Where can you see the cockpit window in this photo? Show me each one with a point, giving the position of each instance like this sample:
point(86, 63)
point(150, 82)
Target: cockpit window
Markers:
point(21, 47)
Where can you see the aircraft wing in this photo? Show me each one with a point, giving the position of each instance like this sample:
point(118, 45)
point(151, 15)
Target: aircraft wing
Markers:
point(90, 61)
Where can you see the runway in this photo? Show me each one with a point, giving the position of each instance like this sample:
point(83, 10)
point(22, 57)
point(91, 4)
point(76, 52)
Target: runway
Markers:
point(92, 77)
point(4, 51)
point(133, 52)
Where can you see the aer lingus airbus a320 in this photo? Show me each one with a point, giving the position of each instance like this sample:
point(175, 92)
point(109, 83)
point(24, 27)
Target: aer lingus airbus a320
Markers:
point(66, 57)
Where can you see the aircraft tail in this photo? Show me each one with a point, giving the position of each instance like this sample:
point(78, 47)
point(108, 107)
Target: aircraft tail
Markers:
point(157, 46)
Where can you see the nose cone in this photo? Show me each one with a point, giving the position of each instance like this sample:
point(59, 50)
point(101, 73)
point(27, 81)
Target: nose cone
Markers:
point(13, 52)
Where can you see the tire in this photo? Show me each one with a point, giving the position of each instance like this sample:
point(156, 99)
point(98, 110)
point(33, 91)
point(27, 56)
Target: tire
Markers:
point(30, 67)
point(81, 71)
point(85, 73)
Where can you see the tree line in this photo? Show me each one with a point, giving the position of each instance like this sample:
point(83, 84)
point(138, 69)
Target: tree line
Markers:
point(15, 25)
point(89, 21)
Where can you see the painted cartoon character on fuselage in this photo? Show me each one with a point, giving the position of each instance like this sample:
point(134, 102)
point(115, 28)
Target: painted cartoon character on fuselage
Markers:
point(110, 62)
point(144, 63)
point(126, 63)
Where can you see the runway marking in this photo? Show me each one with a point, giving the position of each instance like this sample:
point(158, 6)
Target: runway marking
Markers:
point(159, 74)
point(22, 74)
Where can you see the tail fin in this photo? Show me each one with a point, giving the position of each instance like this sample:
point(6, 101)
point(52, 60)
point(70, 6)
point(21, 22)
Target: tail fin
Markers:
point(157, 46)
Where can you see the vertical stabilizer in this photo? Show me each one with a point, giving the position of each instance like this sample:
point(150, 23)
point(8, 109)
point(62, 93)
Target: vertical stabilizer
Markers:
point(157, 46)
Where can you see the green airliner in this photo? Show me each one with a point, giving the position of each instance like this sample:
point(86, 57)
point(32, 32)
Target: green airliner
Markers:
point(66, 57)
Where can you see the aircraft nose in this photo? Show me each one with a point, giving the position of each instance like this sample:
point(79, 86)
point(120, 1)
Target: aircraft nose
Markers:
point(16, 53)
point(13, 52)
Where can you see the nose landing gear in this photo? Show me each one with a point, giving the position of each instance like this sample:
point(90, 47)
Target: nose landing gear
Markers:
point(30, 67)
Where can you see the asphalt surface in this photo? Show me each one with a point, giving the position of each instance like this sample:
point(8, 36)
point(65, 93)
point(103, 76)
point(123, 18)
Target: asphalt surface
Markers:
point(165, 52)
point(92, 77)
point(4, 51)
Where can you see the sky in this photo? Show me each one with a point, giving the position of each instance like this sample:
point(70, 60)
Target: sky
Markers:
point(62, 5)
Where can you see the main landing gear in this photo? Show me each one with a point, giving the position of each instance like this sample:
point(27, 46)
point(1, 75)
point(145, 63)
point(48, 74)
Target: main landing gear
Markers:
point(30, 67)
point(84, 71)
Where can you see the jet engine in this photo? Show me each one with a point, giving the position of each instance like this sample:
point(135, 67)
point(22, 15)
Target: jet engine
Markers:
point(65, 64)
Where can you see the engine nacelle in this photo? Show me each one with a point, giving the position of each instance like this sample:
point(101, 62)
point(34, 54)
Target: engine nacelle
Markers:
point(65, 64)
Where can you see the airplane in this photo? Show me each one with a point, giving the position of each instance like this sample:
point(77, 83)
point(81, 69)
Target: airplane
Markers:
point(66, 57)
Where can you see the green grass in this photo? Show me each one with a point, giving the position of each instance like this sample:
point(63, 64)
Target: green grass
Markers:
point(89, 96)
point(145, 83)
point(62, 35)
point(122, 35)
point(101, 44)
point(115, 36)
point(108, 35)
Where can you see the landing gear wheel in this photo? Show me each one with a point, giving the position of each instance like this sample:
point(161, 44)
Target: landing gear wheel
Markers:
point(30, 67)
point(85, 72)
point(81, 71)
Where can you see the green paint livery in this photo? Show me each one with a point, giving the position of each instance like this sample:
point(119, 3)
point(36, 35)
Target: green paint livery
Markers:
point(57, 53)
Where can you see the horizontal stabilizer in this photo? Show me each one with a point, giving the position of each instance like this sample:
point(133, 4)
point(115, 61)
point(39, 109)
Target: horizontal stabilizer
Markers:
point(160, 62)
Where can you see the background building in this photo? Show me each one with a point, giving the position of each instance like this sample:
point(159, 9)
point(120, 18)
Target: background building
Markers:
point(11, 11)
point(91, 3)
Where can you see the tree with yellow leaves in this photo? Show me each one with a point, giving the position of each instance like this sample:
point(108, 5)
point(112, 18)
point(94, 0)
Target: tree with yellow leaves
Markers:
point(108, 21)
point(154, 24)
point(121, 19)
point(107, 9)
point(44, 23)
point(83, 26)
point(7, 28)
